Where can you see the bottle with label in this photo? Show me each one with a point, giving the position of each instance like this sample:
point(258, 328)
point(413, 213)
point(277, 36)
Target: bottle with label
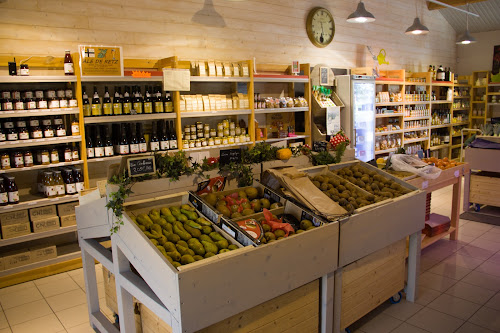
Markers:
point(127, 102)
point(164, 141)
point(52, 99)
point(98, 145)
point(134, 142)
point(18, 101)
point(143, 146)
point(48, 130)
point(69, 181)
point(28, 159)
point(108, 144)
point(69, 67)
point(154, 142)
point(75, 127)
point(4, 197)
point(90, 146)
point(35, 130)
point(49, 185)
point(173, 136)
point(59, 184)
point(96, 104)
point(59, 124)
point(12, 191)
point(107, 106)
point(5, 160)
point(440, 73)
point(18, 159)
point(7, 104)
point(169, 106)
point(123, 145)
point(148, 102)
point(158, 102)
point(117, 102)
point(63, 101)
point(68, 154)
point(73, 103)
point(54, 156)
point(78, 176)
point(3, 135)
point(29, 100)
point(10, 131)
point(138, 101)
point(41, 102)
point(75, 152)
point(44, 157)
point(22, 129)
point(86, 104)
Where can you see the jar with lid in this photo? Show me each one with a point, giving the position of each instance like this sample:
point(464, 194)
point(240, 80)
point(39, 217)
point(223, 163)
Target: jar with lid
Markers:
point(237, 139)
point(4, 197)
point(211, 141)
point(59, 184)
point(247, 137)
point(5, 158)
point(75, 127)
point(187, 130)
point(6, 101)
point(203, 142)
point(49, 185)
point(225, 123)
point(28, 159)
point(232, 125)
point(68, 154)
point(63, 101)
point(199, 125)
point(213, 132)
point(23, 132)
point(192, 143)
point(76, 153)
point(3, 136)
point(69, 182)
point(193, 136)
point(12, 191)
point(18, 159)
point(237, 131)
point(185, 144)
point(197, 143)
point(217, 140)
point(200, 134)
point(59, 125)
point(35, 130)
point(78, 175)
point(24, 70)
point(225, 141)
point(73, 103)
point(45, 157)
point(54, 156)
point(220, 134)
point(48, 130)
point(206, 134)
point(242, 138)
point(220, 127)
point(206, 127)
point(41, 102)
point(11, 132)
point(18, 101)
point(230, 140)
point(29, 100)
point(226, 131)
point(232, 132)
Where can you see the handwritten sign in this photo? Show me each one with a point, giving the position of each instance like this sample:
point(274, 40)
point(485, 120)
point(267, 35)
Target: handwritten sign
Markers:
point(101, 60)
point(141, 166)
point(230, 155)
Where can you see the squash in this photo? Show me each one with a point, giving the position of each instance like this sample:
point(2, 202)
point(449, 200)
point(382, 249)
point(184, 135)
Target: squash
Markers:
point(284, 154)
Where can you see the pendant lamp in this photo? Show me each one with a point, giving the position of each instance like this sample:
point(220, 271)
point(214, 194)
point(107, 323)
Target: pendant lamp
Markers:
point(361, 15)
point(466, 38)
point(417, 28)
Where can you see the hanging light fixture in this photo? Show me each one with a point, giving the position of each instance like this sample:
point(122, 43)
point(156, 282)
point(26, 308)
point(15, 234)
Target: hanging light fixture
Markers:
point(361, 15)
point(417, 28)
point(466, 38)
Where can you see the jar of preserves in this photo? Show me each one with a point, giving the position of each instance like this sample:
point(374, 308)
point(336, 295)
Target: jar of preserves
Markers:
point(232, 125)
point(185, 144)
point(218, 140)
point(220, 127)
point(226, 132)
point(200, 134)
point(206, 134)
point(232, 132)
point(199, 125)
point(243, 138)
point(4, 197)
point(28, 159)
point(3, 136)
point(76, 153)
point(230, 140)
point(197, 143)
point(59, 126)
point(78, 176)
point(5, 158)
point(48, 130)
point(69, 182)
point(211, 141)
point(225, 140)
point(237, 131)
point(63, 101)
point(41, 102)
point(23, 132)
point(68, 154)
point(192, 143)
point(54, 156)
point(44, 157)
point(29, 100)
point(204, 142)
point(225, 123)
point(18, 159)
point(206, 127)
point(75, 127)
point(49, 185)
point(237, 139)
point(35, 130)
point(193, 136)
point(213, 132)
point(59, 184)
point(247, 137)
point(193, 129)
point(187, 130)
point(12, 191)
point(220, 134)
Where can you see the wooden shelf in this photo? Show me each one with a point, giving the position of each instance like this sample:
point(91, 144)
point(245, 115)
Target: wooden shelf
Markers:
point(390, 150)
point(40, 167)
point(38, 112)
point(478, 117)
point(478, 87)
point(407, 141)
point(442, 84)
point(119, 157)
point(416, 129)
point(493, 104)
point(416, 118)
point(461, 97)
point(39, 142)
point(493, 93)
point(35, 236)
point(440, 126)
point(38, 79)
point(431, 240)
point(477, 102)
point(219, 146)
point(279, 110)
point(285, 139)
point(221, 113)
point(388, 132)
point(462, 109)
point(220, 79)
point(129, 118)
point(388, 115)
point(59, 259)
point(447, 145)
point(442, 102)
point(408, 83)
point(456, 146)
point(125, 79)
point(389, 103)
point(32, 201)
point(417, 102)
point(460, 124)
point(389, 82)
point(281, 78)
point(494, 84)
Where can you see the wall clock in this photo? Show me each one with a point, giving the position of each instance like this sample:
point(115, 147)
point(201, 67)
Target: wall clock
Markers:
point(320, 27)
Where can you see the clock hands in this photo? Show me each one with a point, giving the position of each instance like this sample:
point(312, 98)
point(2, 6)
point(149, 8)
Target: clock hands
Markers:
point(321, 39)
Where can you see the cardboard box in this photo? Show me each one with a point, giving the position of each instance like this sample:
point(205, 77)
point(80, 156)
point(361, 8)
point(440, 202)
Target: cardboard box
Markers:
point(42, 213)
point(67, 209)
point(16, 230)
point(51, 223)
point(14, 217)
point(68, 220)
point(43, 252)
point(17, 259)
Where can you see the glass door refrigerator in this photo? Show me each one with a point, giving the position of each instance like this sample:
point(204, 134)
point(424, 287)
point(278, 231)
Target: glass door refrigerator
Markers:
point(358, 117)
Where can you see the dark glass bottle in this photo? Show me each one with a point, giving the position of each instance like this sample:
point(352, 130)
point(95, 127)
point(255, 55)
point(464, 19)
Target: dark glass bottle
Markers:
point(107, 106)
point(124, 148)
point(164, 141)
point(138, 102)
point(158, 105)
point(12, 191)
point(154, 142)
point(90, 145)
point(59, 125)
point(143, 146)
point(169, 107)
point(87, 112)
point(127, 102)
point(98, 145)
point(96, 104)
point(148, 102)
point(117, 102)
point(108, 144)
point(172, 136)
point(4, 197)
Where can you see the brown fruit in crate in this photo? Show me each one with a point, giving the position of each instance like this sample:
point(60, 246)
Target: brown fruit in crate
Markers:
point(242, 194)
point(269, 236)
point(279, 233)
point(266, 227)
point(252, 193)
point(276, 205)
point(304, 224)
point(236, 215)
point(324, 187)
point(256, 205)
point(247, 212)
point(316, 183)
point(341, 188)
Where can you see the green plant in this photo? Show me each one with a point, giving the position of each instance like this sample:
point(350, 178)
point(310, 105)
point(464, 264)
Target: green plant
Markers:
point(205, 166)
point(261, 152)
point(339, 151)
point(239, 171)
point(322, 158)
point(173, 166)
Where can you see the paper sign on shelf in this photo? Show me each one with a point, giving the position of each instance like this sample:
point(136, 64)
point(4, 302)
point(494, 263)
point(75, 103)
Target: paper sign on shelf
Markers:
point(176, 79)
point(101, 60)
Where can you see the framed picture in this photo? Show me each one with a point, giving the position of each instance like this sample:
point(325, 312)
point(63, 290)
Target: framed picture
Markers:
point(324, 76)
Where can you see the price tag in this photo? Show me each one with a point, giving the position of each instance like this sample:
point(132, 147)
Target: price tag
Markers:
point(227, 229)
point(51, 139)
point(457, 173)
point(425, 184)
point(33, 202)
point(271, 195)
point(141, 166)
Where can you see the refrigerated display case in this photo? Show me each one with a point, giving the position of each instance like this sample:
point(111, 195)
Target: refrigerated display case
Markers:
point(358, 118)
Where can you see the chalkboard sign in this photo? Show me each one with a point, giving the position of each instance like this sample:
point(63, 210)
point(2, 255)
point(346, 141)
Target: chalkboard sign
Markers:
point(141, 166)
point(230, 155)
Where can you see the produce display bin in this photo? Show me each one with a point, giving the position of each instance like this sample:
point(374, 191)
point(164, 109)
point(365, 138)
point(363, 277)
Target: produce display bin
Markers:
point(485, 188)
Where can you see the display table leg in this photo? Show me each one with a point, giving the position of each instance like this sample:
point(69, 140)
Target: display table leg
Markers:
point(90, 284)
point(413, 265)
point(125, 301)
point(455, 208)
point(337, 306)
point(327, 299)
point(466, 205)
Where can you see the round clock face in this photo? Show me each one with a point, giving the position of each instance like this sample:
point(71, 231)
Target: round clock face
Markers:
point(320, 27)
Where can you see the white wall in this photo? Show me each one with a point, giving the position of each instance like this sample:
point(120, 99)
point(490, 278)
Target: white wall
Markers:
point(478, 56)
point(273, 31)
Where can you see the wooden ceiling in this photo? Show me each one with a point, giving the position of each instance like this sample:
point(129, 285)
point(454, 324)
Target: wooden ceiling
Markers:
point(454, 3)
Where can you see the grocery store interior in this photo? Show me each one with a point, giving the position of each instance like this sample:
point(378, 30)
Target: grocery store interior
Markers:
point(249, 166)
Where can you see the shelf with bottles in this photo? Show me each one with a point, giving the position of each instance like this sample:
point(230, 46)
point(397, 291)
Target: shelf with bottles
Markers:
point(438, 147)
point(220, 71)
point(418, 79)
point(274, 110)
point(388, 126)
point(417, 111)
point(389, 111)
point(439, 137)
point(288, 138)
point(458, 145)
point(478, 112)
point(416, 134)
point(129, 118)
point(386, 142)
point(32, 201)
point(416, 124)
point(218, 146)
point(412, 148)
point(440, 126)
point(38, 78)
point(389, 132)
point(220, 113)
point(461, 104)
point(442, 102)
point(272, 78)
point(389, 115)
point(418, 95)
point(38, 112)
point(56, 99)
point(416, 129)
point(122, 79)
point(389, 95)
point(214, 133)
point(413, 140)
point(39, 142)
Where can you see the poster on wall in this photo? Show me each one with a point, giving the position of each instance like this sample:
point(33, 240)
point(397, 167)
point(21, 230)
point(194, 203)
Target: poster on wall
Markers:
point(101, 60)
point(496, 60)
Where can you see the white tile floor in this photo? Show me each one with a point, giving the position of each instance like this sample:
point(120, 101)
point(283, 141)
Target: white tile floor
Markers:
point(459, 291)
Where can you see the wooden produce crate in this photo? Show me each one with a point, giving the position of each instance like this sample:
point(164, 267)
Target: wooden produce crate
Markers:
point(379, 225)
point(483, 159)
point(371, 280)
point(485, 188)
point(295, 311)
point(210, 290)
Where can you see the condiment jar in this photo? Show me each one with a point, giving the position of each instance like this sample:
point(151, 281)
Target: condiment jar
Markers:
point(211, 141)
point(59, 125)
point(76, 153)
point(75, 127)
point(36, 131)
point(49, 185)
point(28, 159)
point(225, 141)
point(185, 144)
point(59, 184)
point(12, 191)
point(54, 156)
point(69, 182)
point(68, 154)
point(218, 140)
point(45, 157)
point(3, 137)
point(4, 197)
point(23, 132)
point(5, 158)
point(78, 176)
point(18, 160)
point(48, 130)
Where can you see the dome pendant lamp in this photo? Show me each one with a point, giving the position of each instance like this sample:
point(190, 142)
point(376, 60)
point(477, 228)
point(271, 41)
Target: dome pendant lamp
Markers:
point(466, 38)
point(417, 28)
point(361, 15)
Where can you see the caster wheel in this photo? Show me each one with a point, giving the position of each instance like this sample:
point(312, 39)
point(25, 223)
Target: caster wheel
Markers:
point(477, 207)
point(396, 298)
point(347, 330)
point(117, 319)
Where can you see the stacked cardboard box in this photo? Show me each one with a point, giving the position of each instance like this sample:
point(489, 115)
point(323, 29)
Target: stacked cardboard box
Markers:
point(15, 224)
point(67, 213)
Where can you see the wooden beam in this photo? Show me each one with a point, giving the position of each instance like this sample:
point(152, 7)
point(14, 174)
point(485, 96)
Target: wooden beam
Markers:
point(454, 3)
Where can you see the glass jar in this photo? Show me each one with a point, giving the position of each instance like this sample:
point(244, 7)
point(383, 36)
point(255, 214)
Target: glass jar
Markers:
point(5, 158)
point(59, 184)
point(4, 197)
point(203, 142)
point(232, 132)
point(226, 132)
point(247, 137)
point(192, 143)
point(200, 134)
point(220, 127)
point(232, 125)
point(35, 130)
point(18, 159)
point(59, 126)
point(197, 143)
point(206, 134)
point(49, 185)
point(78, 175)
point(237, 131)
point(225, 141)
point(44, 157)
point(199, 125)
point(218, 140)
point(22, 130)
point(193, 129)
point(211, 141)
point(225, 123)
point(48, 130)
point(213, 132)
point(220, 134)
point(206, 127)
point(230, 140)
point(28, 159)
point(12, 191)
point(68, 154)
point(237, 139)
point(76, 153)
point(69, 182)
point(185, 144)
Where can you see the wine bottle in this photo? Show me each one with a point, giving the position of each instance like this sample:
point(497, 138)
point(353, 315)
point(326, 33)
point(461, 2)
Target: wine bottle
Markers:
point(148, 102)
point(115, 137)
point(440, 73)
point(90, 145)
point(133, 142)
point(169, 107)
point(99, 145)
point(108, 144)
point(96, 104)
point(127, 102)
point(86, 104)
point(117, 102)
point(107, 106)
point(138, 101)
point(143, 146)
point(154, 142)
point(173, 136)
point(158, 105)
point(124, 148)
point(164, 142)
